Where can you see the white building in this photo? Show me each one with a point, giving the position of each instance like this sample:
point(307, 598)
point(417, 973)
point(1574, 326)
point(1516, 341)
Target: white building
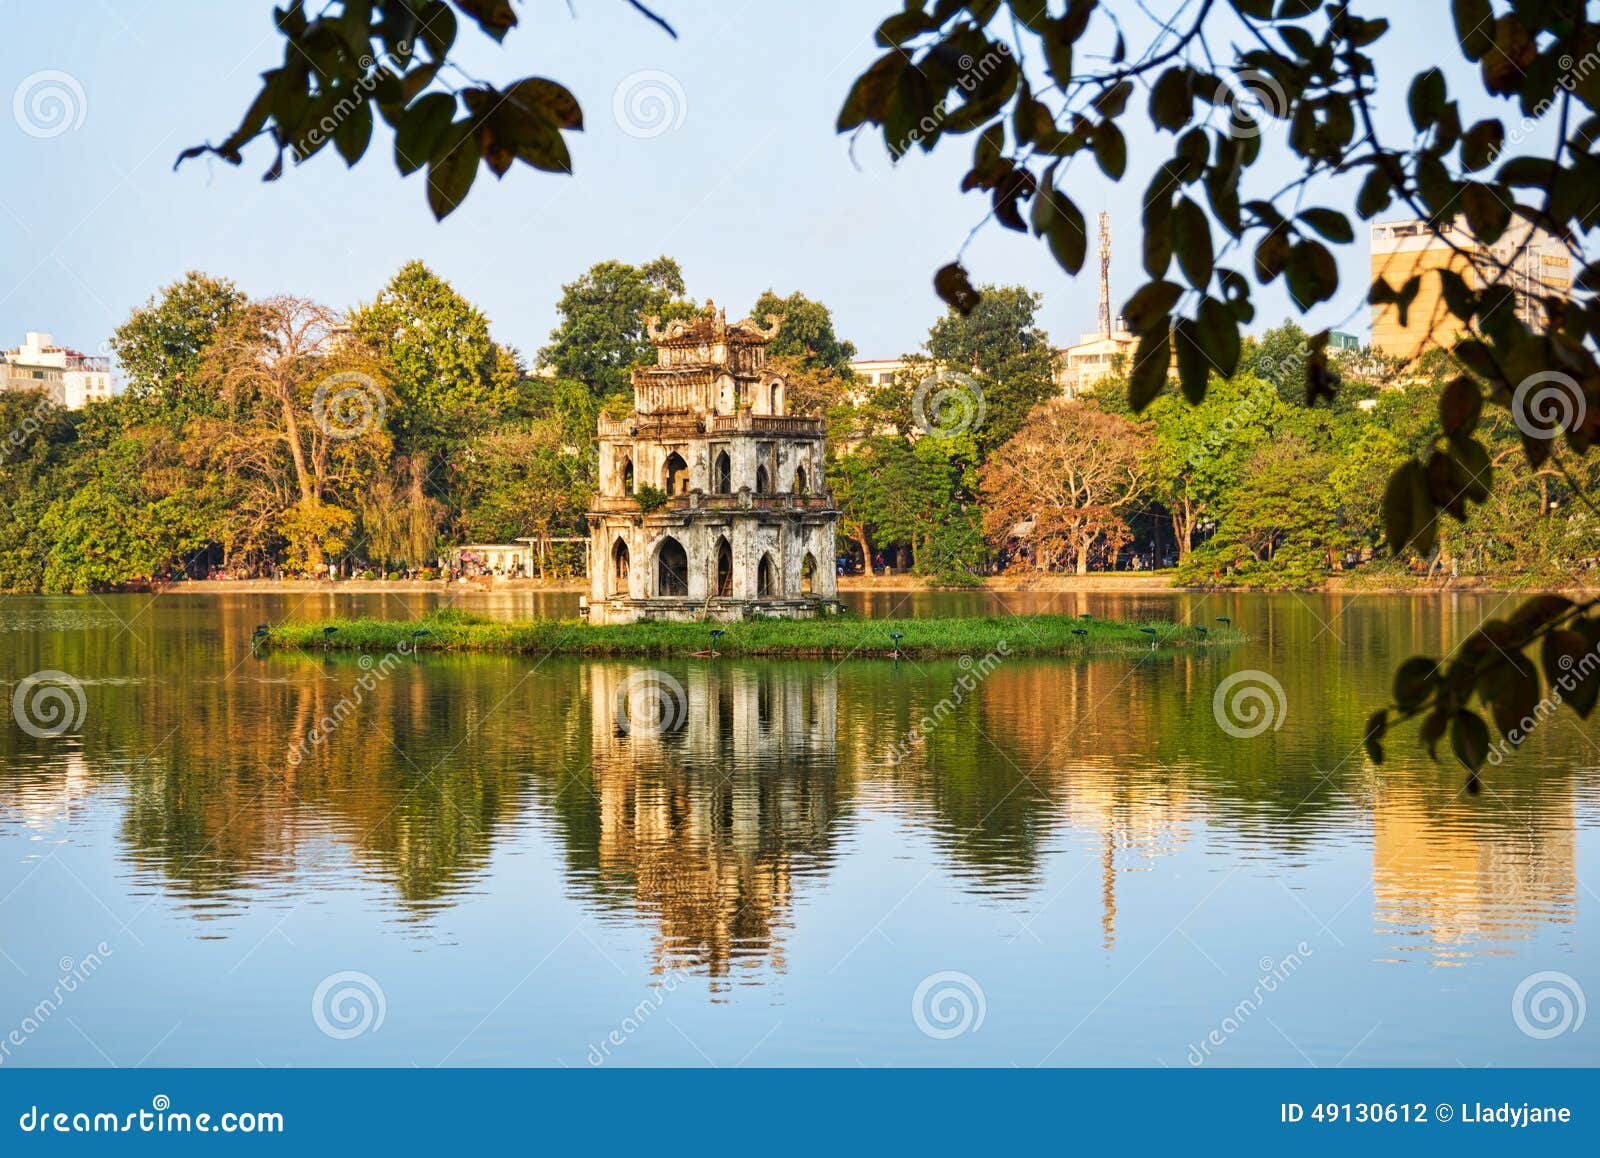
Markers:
point(70, 378)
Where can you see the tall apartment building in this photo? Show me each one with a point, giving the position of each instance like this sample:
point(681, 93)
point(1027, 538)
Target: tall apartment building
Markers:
point(70, 378)
point(1535, 264)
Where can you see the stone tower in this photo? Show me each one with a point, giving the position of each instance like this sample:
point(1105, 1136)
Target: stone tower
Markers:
point(712, 501)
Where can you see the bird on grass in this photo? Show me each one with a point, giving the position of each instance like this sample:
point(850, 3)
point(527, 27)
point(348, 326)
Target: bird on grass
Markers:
point(1080, 631)
point(1223, 619)
point(1202, 631)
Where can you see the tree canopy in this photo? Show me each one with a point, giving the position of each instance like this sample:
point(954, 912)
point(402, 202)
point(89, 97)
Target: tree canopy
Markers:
point(601, 336)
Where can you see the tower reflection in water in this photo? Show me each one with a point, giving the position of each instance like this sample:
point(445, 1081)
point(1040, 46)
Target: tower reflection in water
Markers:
point(711, 808)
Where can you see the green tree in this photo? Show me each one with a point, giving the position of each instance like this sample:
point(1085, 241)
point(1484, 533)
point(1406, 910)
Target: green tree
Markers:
point(526, 481)
point(807, 334)
point(1200, 450)
point(451, 379)
point(1000, 344)
point(601, 333)
point(1278, 529)
point(160, 345)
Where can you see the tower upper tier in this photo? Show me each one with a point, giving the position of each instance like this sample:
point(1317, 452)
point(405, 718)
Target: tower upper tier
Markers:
point(704, 365)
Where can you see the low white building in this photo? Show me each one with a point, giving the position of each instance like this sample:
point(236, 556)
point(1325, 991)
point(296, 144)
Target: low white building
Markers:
point(70, 378)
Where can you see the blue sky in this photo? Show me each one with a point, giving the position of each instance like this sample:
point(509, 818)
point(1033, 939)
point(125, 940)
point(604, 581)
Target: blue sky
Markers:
point(750, 188)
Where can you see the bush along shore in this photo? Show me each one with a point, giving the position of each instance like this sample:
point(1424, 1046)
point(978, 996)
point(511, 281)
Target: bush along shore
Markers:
point(830, 638)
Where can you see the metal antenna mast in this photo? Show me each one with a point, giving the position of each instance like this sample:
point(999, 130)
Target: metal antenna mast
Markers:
point(1105, 274)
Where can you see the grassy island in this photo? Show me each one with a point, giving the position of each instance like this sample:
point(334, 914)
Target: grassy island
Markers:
point(832, 638)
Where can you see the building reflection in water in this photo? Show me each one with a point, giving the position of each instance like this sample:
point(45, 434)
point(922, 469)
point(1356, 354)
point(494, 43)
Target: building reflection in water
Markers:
point(708, 818)
point(1050, 776)
point(1451, 877)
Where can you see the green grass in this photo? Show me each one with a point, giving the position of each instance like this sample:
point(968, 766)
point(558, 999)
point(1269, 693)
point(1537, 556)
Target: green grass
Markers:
point(830, 638)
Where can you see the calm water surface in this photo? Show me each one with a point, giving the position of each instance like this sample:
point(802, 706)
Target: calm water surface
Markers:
point(1068, 863)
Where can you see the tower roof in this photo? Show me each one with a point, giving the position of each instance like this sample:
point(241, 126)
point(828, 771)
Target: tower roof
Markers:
point(709, 326)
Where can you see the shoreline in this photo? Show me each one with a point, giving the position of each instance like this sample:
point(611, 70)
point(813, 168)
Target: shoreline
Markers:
point(1099, 583)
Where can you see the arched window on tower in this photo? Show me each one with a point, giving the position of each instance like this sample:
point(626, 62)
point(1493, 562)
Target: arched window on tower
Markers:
point(764, 578)
point(800, 480)
point(723, 584)
point(723, 481)
point(627, 476)
point(619, 568)
point(808, 573)
point(672, 569)
point(675, 475)
point(761, 480)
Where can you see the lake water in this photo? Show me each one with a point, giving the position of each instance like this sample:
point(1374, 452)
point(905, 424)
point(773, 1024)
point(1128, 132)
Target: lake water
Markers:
point(510, 861)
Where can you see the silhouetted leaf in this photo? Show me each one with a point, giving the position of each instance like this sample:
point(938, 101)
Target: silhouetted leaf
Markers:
point(1413, 682)
point(1372, 735)
point(1332, 224)
point(1459, 406)
point(954, 289)
point(1191, 242)
point(450, 175)
point(1469, 739)
point(1151, 303)
point(1110, 150)
point(1151, 363)
point(1572, 669)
